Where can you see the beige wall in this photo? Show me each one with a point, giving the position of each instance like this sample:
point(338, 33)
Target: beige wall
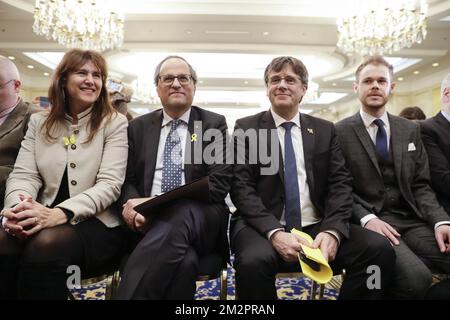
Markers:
point(29, 94)
point(427, 99)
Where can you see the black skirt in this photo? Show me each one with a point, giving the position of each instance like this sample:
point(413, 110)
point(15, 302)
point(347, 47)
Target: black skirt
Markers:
point(103, 247)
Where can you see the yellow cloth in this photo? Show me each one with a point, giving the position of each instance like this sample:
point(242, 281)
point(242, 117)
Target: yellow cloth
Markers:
point(324, 274)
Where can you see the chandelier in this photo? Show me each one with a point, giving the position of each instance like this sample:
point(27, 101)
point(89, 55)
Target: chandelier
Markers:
point(79, 23)
point(383, 26)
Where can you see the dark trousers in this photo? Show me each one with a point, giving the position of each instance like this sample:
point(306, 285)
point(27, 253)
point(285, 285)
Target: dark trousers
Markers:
point(36, 268)
point(417, 256)
point(164, 264)
point(257, 263)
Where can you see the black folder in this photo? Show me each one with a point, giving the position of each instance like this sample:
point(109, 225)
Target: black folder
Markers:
point(197, 190)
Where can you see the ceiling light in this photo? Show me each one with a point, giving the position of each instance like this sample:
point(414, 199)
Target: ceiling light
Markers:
point(87, 24)
point(265, 33)
point(372, 27)
point(30, 66)
point(436, 64)
point(400, 79)
point(416, 72)
point(46, 74)
point(334, 84)
point(11, 58)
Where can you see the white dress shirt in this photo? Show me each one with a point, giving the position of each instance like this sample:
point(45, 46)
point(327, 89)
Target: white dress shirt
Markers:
point(182, 130)
point(309, 215)
point(308, 212)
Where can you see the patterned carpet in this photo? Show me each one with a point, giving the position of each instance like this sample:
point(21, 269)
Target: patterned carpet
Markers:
point(287, 288)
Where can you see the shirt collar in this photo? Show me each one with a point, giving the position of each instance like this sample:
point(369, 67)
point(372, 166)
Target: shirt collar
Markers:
point(446, 116)
point(368, 119)
point(10, 109)
point(280, 120)
point(184, 117)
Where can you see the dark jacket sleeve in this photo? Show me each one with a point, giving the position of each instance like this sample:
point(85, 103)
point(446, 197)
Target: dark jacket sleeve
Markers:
point(439, 163)
point(338, 199)
point(129, 189)
point(424, 196)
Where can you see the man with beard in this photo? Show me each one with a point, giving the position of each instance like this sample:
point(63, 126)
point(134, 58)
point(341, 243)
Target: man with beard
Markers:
point(392, 193)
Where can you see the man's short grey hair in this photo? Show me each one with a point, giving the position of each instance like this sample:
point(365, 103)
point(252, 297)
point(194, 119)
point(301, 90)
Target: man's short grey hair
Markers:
point(158, 69)
point(445, 84)
point(8, 69)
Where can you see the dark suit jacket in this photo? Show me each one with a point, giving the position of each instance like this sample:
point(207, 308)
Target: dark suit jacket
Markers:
point(436, 138)
point(260, 198)
point(411, 168)
point(12, 132)
point(143, 140)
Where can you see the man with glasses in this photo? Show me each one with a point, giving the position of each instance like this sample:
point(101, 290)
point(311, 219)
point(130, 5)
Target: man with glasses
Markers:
point(14, 116)
point(164, 264)
point(311, 191)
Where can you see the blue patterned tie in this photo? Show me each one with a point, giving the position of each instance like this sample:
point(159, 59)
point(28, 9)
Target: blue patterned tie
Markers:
point(172, 163)
point(292, 212)
point(381, 146)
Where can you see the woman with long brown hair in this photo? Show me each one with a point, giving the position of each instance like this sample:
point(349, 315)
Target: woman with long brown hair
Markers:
point(69, 172)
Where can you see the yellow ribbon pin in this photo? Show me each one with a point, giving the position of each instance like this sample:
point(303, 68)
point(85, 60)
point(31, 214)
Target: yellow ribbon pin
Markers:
point(193, 137)
point(69, 140)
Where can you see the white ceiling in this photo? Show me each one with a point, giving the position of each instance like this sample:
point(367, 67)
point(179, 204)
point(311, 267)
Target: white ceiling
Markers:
point(265, 28)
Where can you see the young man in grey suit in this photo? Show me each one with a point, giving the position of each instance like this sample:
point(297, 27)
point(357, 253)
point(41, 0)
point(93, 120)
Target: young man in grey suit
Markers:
point(435, 136)
point(164, 265)
point(14, 116)
point(307, 187)
point(392, 194)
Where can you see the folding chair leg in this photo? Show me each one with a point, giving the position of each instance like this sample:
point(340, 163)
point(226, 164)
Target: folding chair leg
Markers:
point(313, 290)
point(321, 290)
point(223, 285)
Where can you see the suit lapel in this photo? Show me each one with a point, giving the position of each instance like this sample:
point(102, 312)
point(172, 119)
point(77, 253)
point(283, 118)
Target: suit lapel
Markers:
point(442, 121)
point(398, 139)
point(307, 127)
point(267, 123)
point(194, 145)
point(364, 138)
point(13, 119)
point(151, 137)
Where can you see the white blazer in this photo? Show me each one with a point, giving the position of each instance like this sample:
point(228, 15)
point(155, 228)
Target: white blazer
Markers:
point(95, 170)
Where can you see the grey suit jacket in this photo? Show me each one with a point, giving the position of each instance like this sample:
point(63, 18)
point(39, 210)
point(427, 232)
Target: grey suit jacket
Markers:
point(12, 132)
point(95, 170)
point(410, 162)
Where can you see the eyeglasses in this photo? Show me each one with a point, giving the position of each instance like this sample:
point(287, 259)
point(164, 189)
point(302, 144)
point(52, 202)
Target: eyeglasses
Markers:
point(289, 80)
point(4, 85)
point(183, 79)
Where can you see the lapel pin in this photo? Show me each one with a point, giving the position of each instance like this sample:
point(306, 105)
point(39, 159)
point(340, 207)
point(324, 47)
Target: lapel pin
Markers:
point(193, 137)
point(311, 131)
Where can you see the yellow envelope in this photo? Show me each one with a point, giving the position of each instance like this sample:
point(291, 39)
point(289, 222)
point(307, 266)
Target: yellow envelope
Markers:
point(311, 259)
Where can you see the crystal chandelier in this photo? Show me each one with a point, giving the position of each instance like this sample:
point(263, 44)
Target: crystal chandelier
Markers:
point(382, 26)
point(79, 23)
